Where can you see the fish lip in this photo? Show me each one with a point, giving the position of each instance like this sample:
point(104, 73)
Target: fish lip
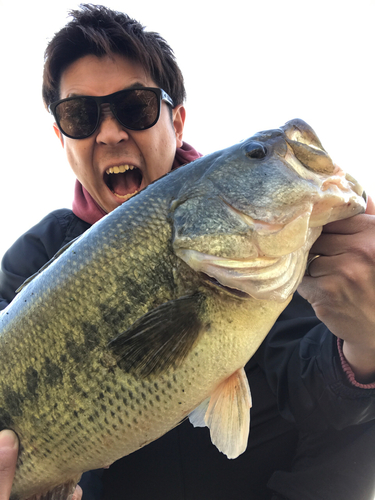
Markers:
point(262, 226)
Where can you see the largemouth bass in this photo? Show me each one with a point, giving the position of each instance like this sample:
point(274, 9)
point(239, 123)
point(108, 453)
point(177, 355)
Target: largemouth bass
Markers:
point(151, 315)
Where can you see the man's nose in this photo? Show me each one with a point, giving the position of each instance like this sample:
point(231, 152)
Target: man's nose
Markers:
point(110, 130)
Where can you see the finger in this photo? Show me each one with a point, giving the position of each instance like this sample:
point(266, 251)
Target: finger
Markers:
point(310, 260)
point(318, 266)
point(370, 209)
point(8, 462)
point(331, 267)
point(352, 225)
point(341, 237)
point(77, 495)
point(332, 244)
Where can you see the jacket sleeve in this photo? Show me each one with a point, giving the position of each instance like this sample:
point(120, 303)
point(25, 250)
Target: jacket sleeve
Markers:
point(302, 365)
point(32, 250)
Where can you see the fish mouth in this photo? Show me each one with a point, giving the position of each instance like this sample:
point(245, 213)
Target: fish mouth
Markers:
point(124, 180)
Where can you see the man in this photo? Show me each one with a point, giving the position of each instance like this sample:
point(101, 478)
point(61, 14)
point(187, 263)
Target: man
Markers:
point(314, 397)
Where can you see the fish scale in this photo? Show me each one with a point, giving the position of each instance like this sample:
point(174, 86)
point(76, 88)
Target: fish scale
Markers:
point(137, 325)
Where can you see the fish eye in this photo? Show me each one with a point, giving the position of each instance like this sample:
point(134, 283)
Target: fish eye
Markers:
point(255, 150)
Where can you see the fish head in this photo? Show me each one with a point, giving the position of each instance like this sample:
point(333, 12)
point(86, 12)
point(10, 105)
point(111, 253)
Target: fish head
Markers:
point(251, 213)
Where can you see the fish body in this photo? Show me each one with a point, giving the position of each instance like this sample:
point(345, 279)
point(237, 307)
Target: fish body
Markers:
point(151, 315)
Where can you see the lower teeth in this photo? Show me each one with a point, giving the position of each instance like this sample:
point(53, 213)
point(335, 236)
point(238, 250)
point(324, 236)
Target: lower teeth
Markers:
point(125, 196)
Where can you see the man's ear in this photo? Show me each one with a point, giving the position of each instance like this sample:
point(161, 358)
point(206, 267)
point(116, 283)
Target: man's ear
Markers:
point(59, 134)
point(179, 115)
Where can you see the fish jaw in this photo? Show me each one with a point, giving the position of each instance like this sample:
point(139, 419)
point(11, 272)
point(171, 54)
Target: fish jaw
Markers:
point(341, 197)
point(269, 278)
point(336, 196)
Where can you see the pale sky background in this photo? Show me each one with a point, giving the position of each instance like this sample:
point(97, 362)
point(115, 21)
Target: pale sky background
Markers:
point(248, 66)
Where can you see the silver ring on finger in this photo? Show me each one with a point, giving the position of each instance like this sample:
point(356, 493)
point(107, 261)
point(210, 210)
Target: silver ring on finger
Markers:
point(308, 264)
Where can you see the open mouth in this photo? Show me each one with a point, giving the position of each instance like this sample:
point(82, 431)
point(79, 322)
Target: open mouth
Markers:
point(123, 180)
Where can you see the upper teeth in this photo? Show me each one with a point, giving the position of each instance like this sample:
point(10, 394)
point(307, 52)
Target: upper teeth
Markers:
point(120, 169)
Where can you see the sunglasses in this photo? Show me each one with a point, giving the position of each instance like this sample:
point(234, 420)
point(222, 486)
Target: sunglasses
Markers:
point(135, 109)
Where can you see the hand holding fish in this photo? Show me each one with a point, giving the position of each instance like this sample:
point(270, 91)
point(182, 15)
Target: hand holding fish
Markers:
point(77, 495)
point(341, 287)
point(8, 461)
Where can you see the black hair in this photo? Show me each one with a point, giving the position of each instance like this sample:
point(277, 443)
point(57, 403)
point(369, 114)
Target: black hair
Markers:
point(97, 30)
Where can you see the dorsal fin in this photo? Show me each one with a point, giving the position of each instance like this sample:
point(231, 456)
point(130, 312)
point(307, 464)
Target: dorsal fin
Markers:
point(47, 264)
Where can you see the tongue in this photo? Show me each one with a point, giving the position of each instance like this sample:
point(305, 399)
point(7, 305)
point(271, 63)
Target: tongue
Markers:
point(127, 182)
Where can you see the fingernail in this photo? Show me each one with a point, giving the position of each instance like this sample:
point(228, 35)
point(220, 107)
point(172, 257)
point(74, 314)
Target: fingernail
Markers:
point(8, 439)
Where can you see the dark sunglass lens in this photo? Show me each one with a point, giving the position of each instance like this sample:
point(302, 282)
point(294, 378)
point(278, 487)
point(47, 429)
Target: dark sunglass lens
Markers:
point(137, 109)
point(77, 117)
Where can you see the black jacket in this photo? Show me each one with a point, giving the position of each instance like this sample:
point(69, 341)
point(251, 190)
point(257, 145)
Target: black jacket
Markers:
point(312, 433)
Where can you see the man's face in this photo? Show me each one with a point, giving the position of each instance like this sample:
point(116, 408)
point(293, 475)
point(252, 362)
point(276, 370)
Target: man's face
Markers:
point(140, 156)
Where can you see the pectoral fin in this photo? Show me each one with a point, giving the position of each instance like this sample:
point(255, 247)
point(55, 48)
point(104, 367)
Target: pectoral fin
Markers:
point(160, 339)
point(227, 415)
point(197, 416)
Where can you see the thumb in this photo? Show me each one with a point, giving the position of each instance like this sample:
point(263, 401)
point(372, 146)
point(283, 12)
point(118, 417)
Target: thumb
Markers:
point(8, 461)
point(370, 209)
point(77, 495)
